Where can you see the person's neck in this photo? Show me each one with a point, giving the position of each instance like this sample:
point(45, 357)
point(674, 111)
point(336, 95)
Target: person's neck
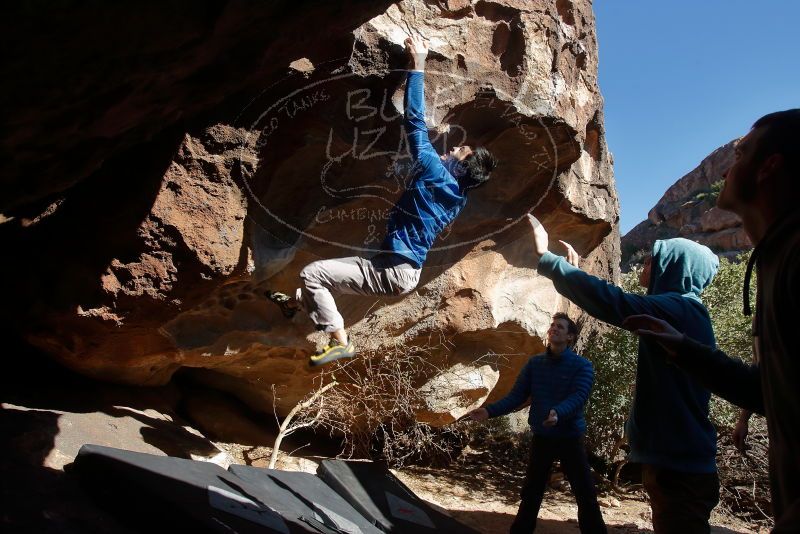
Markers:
point(758, 219)
point(556, 350)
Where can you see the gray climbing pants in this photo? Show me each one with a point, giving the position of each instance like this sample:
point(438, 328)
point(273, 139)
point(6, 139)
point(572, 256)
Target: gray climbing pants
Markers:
point(384, 274)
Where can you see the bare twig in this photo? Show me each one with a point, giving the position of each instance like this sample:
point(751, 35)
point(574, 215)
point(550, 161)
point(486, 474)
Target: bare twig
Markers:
point(286, 428)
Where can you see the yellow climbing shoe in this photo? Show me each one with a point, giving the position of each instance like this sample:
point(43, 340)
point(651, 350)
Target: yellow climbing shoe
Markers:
point(332, 351)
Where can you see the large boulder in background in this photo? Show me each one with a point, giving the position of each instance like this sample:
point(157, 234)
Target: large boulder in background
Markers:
point(688, 209)
point(169, 168)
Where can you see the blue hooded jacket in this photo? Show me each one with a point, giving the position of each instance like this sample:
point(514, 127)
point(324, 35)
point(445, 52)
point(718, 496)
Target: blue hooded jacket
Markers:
point(668, 425)
point(561, 383)
point(434, 198)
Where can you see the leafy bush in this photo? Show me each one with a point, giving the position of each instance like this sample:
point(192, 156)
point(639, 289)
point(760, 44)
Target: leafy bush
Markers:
point(613, 354)
point(710, 195)
point(732, 328)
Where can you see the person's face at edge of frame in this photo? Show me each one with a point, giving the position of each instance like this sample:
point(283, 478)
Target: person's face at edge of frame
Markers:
point(741, 178)
point(644, 276)
point(558, 333)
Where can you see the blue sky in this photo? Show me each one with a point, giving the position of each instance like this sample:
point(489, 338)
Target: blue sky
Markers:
point(681, 78)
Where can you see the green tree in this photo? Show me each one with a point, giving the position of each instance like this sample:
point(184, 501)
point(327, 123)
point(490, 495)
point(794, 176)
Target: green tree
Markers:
point(710, 195)
point(613, 354)
point(732, 328)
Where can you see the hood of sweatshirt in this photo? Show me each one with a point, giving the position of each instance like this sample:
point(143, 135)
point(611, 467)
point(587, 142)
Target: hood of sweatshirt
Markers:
point(681, 266)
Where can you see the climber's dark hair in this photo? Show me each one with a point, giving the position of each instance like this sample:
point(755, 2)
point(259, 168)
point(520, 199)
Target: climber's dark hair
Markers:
point(479, 166)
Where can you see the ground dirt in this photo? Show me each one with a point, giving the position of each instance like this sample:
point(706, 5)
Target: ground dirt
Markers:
point(480, 491)
point(48, 414)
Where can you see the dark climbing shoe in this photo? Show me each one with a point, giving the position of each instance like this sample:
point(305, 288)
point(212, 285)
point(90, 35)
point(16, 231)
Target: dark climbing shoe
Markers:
point(283, 301)
point(332, 351)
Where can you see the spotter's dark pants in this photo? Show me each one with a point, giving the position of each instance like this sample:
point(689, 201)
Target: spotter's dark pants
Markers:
point(572, 453)
point(681, 502)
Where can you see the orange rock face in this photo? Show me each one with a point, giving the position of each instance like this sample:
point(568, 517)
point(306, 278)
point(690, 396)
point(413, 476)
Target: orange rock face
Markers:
point(157, 256)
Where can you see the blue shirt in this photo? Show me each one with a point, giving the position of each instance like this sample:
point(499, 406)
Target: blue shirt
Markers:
point(433, 199)
point(552, 382)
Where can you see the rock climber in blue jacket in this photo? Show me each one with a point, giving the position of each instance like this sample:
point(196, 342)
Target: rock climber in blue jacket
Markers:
point(557, 383)
point(432, 201)
point(668, 429)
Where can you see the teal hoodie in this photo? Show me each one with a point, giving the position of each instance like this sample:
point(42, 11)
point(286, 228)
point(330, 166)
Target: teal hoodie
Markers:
point(668, 425)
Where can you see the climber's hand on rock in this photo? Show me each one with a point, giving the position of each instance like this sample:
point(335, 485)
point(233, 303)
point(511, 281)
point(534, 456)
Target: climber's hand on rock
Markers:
point(417, 49)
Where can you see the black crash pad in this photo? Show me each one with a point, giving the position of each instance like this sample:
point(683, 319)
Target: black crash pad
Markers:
point(158, 493)
point(304, 495)
point(383, 499)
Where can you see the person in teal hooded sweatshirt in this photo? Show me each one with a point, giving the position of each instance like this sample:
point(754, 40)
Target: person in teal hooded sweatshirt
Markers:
point(668, 429)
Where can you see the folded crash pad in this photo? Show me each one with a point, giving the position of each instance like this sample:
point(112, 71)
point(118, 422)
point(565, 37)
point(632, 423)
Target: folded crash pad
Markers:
point(161, 492)
point(382, 498)
point(304, 495)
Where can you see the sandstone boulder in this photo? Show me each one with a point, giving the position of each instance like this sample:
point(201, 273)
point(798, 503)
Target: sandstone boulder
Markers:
point(171, 194)
point(688, 209)
point(716, 219)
